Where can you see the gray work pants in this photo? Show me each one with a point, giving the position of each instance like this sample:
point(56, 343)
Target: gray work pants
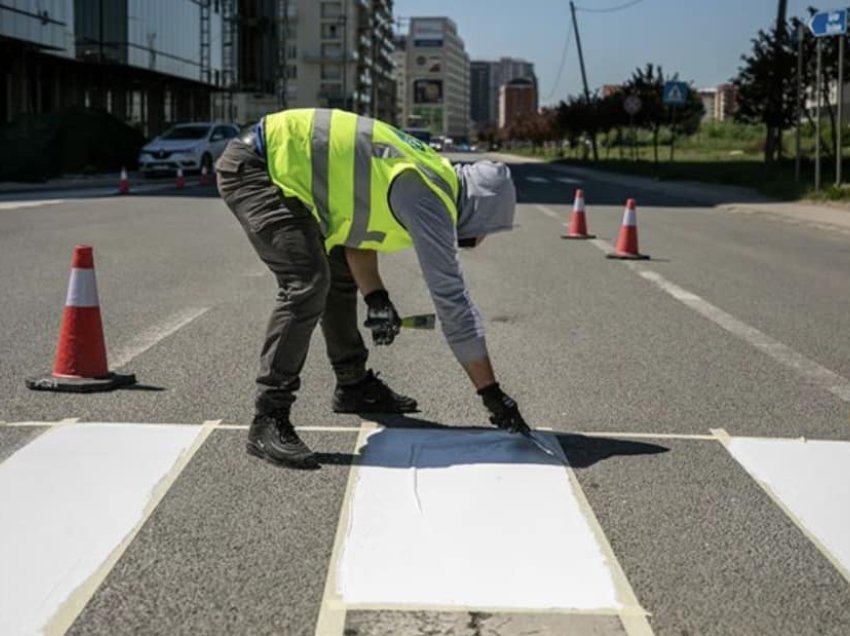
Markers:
point(312, 285)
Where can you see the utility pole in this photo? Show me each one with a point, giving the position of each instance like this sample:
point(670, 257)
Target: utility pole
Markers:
point(817, 116)
point(838, 149)
point(584, 77)
point(801, 33)
point(774, 127)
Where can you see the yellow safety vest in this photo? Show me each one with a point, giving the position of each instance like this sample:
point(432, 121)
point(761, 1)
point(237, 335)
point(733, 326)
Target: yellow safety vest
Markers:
point(341, 166)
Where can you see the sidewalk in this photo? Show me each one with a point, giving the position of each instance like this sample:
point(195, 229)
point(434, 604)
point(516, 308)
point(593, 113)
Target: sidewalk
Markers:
point(71, 182)
point(828, 216)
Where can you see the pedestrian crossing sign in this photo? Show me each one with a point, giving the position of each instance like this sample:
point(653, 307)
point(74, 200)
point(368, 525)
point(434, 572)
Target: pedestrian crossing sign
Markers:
point(675, 93)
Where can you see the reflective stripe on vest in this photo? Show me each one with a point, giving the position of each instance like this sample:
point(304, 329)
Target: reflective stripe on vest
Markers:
point(363, 185)
point(320, 151)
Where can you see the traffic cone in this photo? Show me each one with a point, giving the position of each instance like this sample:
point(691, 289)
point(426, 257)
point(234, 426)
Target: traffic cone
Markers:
point(578, 225)
point(627, 242)
point(205, 179)
point(80, 365)
point(181, 181)
point(124, 182)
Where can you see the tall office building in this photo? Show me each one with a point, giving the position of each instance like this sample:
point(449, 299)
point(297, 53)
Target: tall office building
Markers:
point(147, 62)
point(487, 80)
point(480, 112)
point(436, 72)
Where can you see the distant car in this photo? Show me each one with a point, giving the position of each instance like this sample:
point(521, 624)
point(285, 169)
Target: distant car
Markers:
point(187, 146)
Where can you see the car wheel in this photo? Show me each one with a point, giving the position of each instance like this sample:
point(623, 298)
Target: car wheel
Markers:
point(207, 162)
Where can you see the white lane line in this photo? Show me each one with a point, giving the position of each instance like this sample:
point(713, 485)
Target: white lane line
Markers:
point(810, 482)
point(537, 179)
point(457, 498)
point(547, 211)
point(148, 338)
point(14, 205)
point(810, 370)
point(72, 500)
point(814, 373)
point(567, 180)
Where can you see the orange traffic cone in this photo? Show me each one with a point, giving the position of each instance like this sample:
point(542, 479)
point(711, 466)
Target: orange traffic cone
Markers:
point(578, 225)
point(80, 364)
point(205, 179)
point(627, 242)
point(181, 180)
point(124, 182)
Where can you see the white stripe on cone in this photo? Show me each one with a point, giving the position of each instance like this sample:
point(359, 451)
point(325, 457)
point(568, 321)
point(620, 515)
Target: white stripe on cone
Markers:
point(82, 289)
point(629, 217)
point(578, 206)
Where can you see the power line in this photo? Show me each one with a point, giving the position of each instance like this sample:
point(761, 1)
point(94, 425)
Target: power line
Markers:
point(567, 41)
point(610, 9)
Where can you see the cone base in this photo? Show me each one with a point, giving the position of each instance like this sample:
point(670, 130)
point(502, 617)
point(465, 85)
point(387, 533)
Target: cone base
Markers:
point(578, 237)
point(623, 256)
point(51, 382)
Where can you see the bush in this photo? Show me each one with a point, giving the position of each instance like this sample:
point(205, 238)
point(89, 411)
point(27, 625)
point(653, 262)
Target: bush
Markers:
point(78, 140)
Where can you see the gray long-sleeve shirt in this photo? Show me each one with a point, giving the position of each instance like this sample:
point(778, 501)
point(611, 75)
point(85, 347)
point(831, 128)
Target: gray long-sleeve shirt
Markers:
point(434, 235)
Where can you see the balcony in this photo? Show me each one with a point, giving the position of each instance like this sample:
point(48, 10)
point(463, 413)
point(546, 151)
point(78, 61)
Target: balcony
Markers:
point(316, 57)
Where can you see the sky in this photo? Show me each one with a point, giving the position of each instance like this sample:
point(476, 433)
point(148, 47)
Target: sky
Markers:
point(702, 40)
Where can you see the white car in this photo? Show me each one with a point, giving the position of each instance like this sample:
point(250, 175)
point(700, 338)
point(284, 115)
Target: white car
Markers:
point(187, 146)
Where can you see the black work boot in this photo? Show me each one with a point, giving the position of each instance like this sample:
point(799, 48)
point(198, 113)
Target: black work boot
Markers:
point(371, 395)
point(273, 438)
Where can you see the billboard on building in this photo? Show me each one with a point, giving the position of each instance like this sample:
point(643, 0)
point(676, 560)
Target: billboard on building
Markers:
point(427, 33)
point(427, 91)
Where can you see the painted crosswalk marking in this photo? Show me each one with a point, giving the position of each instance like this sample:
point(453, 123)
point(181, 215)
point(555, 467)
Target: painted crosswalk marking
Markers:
point(537, 179)
point(811, 481)
point(568, 180)
point(68, 499)
point(446, 505)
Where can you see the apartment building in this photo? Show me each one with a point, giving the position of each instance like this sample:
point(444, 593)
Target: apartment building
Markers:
point(436, 78)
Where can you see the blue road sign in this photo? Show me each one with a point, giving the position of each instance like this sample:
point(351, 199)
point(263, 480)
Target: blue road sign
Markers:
point(675, 93)
point(829, 23)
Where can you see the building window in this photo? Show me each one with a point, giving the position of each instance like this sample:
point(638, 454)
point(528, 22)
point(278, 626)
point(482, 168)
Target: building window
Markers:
point(331, 31)
point(331, 9)
point(331, 51)
point(292, 71)
point(292, 51)
point(331, 71)
point(331, 90)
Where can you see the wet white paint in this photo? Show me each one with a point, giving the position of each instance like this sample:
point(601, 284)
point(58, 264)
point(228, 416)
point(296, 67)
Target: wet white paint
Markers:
point(468, 518)
point(68, 499)
point(811, 479)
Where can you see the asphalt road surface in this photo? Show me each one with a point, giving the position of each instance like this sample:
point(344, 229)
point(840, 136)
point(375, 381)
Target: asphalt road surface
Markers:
point(701, 399)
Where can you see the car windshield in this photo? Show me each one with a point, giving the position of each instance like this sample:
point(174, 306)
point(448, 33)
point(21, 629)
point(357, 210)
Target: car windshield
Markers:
point(186, 132)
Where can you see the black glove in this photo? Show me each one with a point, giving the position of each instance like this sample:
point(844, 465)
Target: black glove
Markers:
point(504, 411)
point(381, 318)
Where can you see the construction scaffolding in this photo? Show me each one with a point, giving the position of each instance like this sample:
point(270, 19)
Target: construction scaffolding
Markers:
point(283, 15)
point(206, 40)
point(229, 37)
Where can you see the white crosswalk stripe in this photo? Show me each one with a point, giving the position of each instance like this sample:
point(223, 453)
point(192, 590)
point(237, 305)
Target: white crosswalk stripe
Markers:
point(537, 179)
point(438, 502)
